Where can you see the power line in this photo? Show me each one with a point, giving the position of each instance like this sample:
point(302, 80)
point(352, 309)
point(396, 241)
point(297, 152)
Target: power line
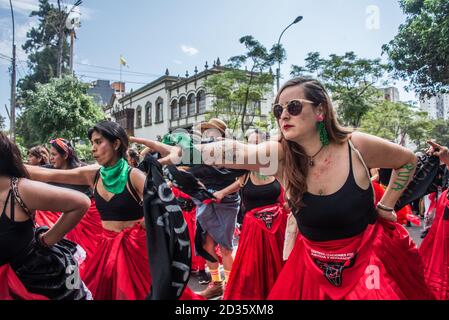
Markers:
point(96, 78)
point(115, 73)
point(116, 69)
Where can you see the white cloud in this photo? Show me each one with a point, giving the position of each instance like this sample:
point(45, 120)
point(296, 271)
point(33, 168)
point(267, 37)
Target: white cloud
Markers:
point(21, 6)
point(191, 51)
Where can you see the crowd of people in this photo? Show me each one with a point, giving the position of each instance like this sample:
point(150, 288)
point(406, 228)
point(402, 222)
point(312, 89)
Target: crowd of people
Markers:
point(323, 225)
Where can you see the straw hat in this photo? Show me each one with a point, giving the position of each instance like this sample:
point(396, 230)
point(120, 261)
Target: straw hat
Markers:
point(214, 124)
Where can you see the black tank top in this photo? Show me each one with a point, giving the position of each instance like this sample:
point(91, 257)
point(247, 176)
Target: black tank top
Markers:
point(343, 214)
point(121, 207)
point(15, 237)
point(255, 196)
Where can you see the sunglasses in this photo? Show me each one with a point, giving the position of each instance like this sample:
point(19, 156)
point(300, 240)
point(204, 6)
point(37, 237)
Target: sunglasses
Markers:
point(294, 108)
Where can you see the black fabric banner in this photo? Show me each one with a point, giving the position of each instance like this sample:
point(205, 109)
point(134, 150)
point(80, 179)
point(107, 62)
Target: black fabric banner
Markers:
point(168, 241)
point(425, 180)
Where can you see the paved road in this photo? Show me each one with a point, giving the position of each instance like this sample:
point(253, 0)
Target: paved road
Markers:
point(415, 233)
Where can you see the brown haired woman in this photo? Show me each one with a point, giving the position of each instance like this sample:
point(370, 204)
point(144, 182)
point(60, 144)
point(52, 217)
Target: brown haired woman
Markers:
point(87, 233)
point(37, 257)
point(346, 247)
point(38, 156)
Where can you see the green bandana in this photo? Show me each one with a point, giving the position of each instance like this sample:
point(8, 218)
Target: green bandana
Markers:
point(115, 178)
point(184, 141)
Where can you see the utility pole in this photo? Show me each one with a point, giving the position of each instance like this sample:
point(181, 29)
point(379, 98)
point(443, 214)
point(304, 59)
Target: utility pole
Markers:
point(13, 79)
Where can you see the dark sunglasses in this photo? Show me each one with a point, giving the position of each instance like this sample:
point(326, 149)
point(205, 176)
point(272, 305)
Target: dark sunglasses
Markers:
point(294, 108)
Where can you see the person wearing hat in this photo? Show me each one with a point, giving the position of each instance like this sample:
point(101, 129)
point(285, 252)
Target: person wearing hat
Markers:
point(217, 220)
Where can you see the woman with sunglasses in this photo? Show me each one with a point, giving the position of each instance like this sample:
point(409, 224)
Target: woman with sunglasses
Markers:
point(88, 231)
point(35, 263)
point(259, 258)
point(434, 249)
point(38, 156)
point(346, 246)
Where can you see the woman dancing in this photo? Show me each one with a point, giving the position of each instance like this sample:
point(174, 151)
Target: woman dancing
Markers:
point(347, 248)
point(34, 264)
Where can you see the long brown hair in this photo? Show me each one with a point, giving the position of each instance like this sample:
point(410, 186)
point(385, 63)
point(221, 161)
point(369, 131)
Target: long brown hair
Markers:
point(11, 164)
point(296, 165)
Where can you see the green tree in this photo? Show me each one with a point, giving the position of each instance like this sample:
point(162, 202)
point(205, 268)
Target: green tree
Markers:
point(420, 51)
point(440, 132)
point(239, 91)
point(59, 108)
point(396, 122)
point(351, 81)
point(47, 46)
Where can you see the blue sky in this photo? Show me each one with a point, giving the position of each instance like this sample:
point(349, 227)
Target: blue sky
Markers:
point(180, 34)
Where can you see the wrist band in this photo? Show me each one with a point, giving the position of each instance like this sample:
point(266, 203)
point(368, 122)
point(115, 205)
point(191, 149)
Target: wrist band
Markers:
point(385, 208)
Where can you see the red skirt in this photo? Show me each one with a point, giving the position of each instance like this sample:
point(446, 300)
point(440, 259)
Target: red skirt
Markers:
point(47, 218)
point(382, 263)
point(198, 263)
point(88, 232)
point(258, 260)
point(11, 288)
point(434, 251)
point(404, 215)
point(119, 269)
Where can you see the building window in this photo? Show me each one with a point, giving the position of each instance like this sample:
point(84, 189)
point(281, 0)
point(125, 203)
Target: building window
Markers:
point(174, 110)
point(191, 104)
point(139, 117)
point(201, 101)
point(148, 112)
point(159, 110)
point(183, 107)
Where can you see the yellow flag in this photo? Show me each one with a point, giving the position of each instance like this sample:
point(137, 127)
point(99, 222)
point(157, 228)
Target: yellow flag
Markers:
point(122, 61)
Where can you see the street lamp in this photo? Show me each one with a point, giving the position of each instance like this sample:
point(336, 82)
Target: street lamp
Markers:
point(13, 79)
point(278, 71)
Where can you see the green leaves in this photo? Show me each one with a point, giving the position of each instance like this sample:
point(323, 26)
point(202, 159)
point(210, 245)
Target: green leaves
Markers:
point(398, 121)
point(351, 81)
point(420, 51)
point(239, 91)
point(59, 108)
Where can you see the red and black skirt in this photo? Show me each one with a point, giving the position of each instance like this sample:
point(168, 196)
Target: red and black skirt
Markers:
point(382, 263)
point(258, 260)
point(11, 288)
point(434, 251)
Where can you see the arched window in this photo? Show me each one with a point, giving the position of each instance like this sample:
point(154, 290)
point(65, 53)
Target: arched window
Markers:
point(148, 113)
point(139, 117)
point(159, 109)
point(191, 104)
point(183, 107)
point(174, 110)
point(201, 102)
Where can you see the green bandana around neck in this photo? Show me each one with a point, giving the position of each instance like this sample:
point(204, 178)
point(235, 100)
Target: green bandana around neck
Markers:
point(115, 178)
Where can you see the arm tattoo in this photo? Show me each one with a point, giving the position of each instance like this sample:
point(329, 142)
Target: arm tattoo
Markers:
point(403, 177)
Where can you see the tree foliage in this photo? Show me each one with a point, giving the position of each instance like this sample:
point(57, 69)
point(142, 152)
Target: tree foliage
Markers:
point(244, 83)
point(59, 108)
point(351, 81)
point(420, 51)
point(42, 48)
point(396, 122)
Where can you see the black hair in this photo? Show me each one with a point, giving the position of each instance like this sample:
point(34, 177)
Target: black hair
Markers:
point(111, 131)
point(72, 158)
point(11, 164)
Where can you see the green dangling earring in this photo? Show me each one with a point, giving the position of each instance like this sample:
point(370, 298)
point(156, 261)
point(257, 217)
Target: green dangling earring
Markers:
point(324, 137)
